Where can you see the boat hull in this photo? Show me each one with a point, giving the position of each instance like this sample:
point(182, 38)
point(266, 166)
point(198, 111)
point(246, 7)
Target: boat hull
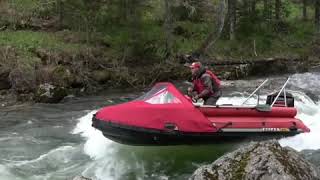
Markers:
point(142, 136)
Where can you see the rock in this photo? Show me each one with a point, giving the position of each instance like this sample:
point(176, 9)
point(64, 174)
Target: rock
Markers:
point(81, 178)
point(265, 160)
point(62, 76)
point(23, 79)
point(7, 98)
point(101, 76)
point(312, 156)
point(48, 93)
point(4, 78)
point(25, 97)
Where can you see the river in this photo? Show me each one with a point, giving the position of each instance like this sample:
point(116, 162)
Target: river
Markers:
point(56, 141)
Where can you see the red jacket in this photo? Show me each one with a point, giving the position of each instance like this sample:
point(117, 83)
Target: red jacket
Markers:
point(206, 80)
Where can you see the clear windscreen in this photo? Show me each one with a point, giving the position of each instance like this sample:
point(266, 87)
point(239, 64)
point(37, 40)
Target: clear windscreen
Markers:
point(159, 95)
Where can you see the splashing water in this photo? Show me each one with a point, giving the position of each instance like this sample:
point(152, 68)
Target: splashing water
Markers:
point(107, 163)
point(309, 113)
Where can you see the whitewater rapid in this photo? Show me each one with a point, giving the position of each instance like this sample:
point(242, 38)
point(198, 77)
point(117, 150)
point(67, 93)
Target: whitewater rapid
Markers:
point(108, 163)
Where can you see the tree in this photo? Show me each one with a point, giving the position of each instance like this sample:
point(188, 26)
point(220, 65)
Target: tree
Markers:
point(168, 24)
point(317, 14)
point(214, 34)
point(267, 10)
point(253, 6)
point(277, 9)
point(304, 10)
point(232, 7)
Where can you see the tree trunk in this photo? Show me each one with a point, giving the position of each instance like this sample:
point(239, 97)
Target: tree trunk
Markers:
point(265, 7)
point(60, 12)
point(214, 34)
point(317, 14)
point(246, 6)
point(253, 6)
point(277, 9)
point(267, 10)
point(168, 24)
point(232, 17)
point(304, 10)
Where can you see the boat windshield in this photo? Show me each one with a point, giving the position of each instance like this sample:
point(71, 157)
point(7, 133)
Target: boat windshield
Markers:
point(159, 95)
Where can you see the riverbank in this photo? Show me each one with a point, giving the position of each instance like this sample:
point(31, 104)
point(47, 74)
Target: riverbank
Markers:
point(56, 75)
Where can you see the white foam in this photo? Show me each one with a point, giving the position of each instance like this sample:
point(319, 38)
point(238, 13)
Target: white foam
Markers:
point(309, 113)
point(60, 154)
point(96, 146)
point(5, 173)
point(107, 164)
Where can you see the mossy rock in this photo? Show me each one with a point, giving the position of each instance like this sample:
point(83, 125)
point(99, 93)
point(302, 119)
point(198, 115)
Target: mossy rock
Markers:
point(47, 93)
point(259, 160)
point(62, 76)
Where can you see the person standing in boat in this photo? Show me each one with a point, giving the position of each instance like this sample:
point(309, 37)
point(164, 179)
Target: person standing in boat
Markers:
point(206, 85)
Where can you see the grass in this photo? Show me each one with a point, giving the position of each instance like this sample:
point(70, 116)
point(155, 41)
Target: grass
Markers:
point(30, 40)
point(25, 42)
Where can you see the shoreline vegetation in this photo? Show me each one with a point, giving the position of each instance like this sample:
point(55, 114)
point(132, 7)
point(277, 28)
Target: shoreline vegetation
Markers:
point(52, 48)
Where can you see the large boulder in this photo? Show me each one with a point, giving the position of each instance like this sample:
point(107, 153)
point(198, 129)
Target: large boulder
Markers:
point(47, 93)
point(265, 160)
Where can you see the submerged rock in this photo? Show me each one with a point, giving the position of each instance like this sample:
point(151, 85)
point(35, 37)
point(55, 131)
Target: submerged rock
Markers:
point(259, 160)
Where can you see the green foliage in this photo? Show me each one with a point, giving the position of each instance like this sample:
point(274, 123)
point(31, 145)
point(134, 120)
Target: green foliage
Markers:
point(24, 5)
point(34, 8)
point(29, 40)
point(189, 35)
point(135, 29)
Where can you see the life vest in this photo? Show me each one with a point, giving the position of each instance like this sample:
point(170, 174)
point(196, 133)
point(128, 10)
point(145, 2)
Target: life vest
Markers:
point(199, 86)
point(214, 78)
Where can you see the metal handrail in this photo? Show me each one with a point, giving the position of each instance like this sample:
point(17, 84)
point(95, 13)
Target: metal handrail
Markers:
point(285, 97)
point(255, 91)
point(282, 89)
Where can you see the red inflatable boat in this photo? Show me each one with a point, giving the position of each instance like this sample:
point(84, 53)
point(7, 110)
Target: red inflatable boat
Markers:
point(164, 116)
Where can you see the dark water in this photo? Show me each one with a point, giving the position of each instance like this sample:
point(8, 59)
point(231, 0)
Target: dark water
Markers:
point(56, 141)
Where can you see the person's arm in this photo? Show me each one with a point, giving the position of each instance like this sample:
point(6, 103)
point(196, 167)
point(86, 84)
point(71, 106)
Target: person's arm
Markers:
point(190, 90)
